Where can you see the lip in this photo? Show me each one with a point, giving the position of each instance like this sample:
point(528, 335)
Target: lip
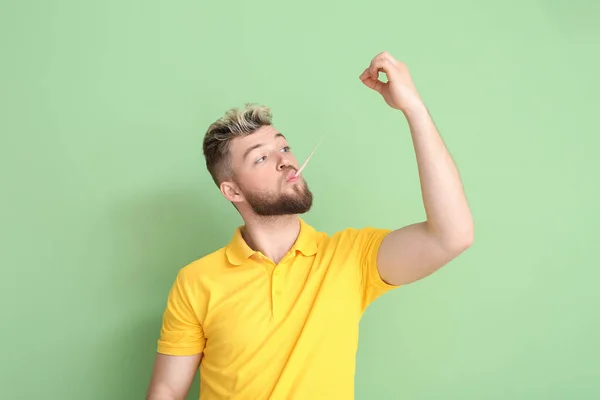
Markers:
point(291, 176)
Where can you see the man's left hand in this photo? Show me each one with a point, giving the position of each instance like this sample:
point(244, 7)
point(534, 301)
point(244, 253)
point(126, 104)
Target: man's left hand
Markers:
point(399, 91)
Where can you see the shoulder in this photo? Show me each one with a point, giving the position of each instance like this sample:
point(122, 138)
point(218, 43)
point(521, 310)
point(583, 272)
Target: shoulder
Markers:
point(358, 243)
point(208, 265)
point(357, 238)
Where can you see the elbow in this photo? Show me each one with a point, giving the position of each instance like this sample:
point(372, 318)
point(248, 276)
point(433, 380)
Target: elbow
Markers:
point(467, 235)
point(465, 239)
point(460, 240)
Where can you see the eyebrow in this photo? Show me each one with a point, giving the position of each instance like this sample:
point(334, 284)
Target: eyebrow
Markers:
point(256, 146)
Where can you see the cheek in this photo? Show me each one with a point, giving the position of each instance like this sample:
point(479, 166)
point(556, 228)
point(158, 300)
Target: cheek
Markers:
point(262, 181)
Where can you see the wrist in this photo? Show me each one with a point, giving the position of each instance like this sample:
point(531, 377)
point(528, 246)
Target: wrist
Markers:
point(414, 109)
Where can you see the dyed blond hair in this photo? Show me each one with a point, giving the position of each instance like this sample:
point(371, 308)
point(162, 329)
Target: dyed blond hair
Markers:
point(235, 123)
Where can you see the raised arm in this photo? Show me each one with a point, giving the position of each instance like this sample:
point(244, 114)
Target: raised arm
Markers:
point(172, 376)
point(412, 252)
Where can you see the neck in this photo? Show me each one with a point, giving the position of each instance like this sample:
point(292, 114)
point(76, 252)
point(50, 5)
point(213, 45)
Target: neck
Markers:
point(272, 236)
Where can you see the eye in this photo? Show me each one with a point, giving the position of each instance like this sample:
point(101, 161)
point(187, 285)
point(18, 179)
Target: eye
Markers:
point(286, 148)
point(260, 160)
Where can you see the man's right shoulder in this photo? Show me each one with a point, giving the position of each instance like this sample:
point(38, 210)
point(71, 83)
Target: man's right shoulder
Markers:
point(208, 265)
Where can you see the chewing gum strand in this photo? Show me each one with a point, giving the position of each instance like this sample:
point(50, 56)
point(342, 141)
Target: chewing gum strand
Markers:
point(311, 154)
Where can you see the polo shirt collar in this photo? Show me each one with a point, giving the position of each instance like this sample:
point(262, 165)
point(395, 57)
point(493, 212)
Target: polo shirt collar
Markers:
point(238, 251)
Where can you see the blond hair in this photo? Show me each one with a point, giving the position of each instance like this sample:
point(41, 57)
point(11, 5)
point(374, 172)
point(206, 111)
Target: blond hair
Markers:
point(235, 123)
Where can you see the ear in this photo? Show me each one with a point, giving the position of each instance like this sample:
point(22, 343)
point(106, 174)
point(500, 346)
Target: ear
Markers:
point(231, 191)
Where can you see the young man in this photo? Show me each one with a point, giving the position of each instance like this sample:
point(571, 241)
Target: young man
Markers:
point(275, 313)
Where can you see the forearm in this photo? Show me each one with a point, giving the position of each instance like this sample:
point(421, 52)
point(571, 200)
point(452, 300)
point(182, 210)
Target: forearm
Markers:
point(448, 214)
point(172, 376)
point(162, 393)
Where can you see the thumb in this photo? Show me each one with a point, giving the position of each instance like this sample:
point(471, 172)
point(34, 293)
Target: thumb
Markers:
point(371, 82)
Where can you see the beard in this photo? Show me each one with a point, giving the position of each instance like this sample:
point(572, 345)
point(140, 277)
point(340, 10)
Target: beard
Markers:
point(268, 204)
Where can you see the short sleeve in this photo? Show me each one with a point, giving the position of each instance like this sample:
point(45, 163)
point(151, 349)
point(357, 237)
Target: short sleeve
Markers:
point(181, 332)
point(366, 246)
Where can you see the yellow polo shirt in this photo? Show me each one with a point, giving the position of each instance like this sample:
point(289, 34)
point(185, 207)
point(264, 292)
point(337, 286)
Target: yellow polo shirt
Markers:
point(286, 331)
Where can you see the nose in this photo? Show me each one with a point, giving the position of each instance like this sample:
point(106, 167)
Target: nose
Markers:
point(284, 162)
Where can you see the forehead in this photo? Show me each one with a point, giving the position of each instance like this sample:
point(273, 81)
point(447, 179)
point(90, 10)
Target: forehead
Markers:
point(264, 136)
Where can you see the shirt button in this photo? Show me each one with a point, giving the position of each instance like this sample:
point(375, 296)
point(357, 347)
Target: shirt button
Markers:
point(277, 272)
point(278, 292)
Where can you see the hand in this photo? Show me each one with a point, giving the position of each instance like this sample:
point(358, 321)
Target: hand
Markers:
point(399, 91)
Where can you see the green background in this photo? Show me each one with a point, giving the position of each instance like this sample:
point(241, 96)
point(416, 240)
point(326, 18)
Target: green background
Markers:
point(105, 194)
